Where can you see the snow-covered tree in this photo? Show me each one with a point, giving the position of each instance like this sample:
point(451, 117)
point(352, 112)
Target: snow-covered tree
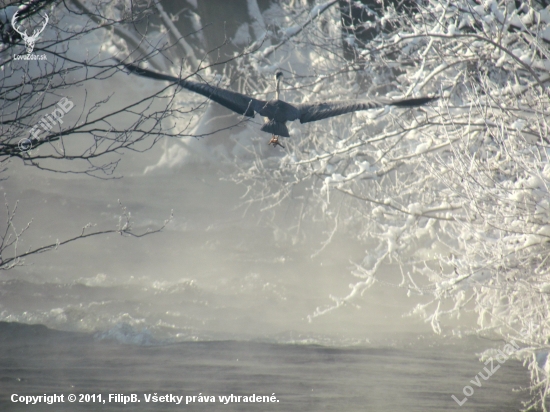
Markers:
point(456, 193)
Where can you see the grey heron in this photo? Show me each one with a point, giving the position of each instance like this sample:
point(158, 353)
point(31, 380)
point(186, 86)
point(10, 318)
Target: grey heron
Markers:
point(277, 111)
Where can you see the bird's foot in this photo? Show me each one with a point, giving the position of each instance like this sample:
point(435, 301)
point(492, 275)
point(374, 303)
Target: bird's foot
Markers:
point(275, 141)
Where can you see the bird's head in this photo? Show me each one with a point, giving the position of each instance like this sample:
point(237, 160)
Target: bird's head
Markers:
point(279, 76)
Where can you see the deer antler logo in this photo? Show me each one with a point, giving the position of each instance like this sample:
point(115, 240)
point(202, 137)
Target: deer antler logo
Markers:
point(29, 40)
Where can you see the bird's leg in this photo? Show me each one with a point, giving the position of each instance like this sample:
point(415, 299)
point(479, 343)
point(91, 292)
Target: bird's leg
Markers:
point(275, 141)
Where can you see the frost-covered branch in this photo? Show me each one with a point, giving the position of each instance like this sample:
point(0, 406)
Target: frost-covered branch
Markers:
point(11, 254)
point(456, 193)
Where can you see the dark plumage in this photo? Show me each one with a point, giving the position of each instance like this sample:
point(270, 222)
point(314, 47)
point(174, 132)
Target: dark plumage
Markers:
point(277, 111)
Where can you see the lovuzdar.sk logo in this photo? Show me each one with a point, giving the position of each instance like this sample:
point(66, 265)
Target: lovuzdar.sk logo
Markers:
point(30, 41)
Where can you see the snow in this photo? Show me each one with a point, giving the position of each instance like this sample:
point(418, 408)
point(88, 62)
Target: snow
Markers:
point(534, 182)
point(451, 30)
point(423, 147)
point(468, 187)
point(455, 193)
point(290, 31)
point(319, 9)
point(518, 125)
point(416, 208)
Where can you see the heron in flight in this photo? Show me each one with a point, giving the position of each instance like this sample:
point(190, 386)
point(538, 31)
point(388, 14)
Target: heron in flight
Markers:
point(277, 111)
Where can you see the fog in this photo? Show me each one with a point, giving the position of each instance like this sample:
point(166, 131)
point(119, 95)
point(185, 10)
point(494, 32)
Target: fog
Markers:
point(239, 257)
point(218, 270)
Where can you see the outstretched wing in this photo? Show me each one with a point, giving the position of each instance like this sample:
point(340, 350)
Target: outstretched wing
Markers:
point(237, 102)
point(318, 111)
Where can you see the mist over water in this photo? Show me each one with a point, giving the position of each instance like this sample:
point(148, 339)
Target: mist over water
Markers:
point(218, 271)
point(221, 301)
point(238, 283)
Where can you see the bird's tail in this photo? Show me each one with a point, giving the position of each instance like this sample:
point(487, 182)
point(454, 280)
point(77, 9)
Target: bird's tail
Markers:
point(413, 102)
point(276, 128)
